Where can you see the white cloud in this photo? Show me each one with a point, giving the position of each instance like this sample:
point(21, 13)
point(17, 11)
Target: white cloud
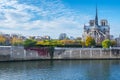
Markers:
point(50, 17)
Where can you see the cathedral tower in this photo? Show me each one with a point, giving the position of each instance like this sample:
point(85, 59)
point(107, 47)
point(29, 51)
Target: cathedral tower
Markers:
point(98, 32)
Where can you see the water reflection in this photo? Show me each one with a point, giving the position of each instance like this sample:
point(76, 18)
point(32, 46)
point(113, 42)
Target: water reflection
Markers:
point(61, 70)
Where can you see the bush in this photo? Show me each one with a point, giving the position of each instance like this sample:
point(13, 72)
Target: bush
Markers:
point(29, 43)
point(106, 43)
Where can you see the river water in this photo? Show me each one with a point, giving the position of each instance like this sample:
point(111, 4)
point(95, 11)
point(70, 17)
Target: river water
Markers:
point(61, 70)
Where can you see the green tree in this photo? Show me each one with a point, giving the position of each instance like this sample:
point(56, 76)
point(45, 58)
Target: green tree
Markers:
point(113, 42)
point(55, 42)
point(30, 43)
point(49, 42)
point(106, 43)
point(89, 41)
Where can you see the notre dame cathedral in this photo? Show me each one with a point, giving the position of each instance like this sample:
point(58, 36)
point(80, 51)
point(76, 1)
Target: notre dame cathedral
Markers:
point(98, 31)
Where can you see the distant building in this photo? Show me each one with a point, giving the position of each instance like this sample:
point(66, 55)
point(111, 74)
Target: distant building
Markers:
point(112, 37)
point(38, 38)
point(71, 38)
point(63, 36)
point(8, 38)
point(46, 37)
point(42, 37)
point(118, 41)
point(17, 36)
point(32, 37)
point(98, 31)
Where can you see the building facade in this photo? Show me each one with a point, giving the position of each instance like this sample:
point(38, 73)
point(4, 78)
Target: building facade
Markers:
point(118, 41)
point(97, 31)
point(62, 36)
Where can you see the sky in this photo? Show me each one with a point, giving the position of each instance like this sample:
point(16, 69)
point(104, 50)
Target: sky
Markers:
point(52, 17)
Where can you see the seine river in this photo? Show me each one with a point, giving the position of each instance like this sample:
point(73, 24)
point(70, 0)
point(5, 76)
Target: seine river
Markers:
point(61, 70)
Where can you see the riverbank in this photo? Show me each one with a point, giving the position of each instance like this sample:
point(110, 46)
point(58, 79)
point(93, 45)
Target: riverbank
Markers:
point(19, 53)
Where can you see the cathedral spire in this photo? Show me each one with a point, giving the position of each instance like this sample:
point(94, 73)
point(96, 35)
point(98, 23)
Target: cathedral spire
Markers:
point(96, 17)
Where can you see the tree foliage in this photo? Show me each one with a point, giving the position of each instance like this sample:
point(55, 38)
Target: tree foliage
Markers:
point(77, 42)
point(30, 43)
point(83, 43)
point(113, 43)
point(16, 41)
point(89, 41)
point(67, 42)
point(59, 43)
point(49, 42)
point(2, 39)
point(106, 43)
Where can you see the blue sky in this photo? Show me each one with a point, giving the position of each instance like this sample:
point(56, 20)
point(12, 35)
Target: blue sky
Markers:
point(52, 17)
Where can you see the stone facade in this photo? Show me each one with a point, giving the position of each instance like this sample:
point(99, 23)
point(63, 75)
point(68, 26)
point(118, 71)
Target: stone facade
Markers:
point(98, 31)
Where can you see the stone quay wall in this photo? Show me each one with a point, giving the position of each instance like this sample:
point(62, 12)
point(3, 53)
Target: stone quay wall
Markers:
point(87, 53)
point(14, 53)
